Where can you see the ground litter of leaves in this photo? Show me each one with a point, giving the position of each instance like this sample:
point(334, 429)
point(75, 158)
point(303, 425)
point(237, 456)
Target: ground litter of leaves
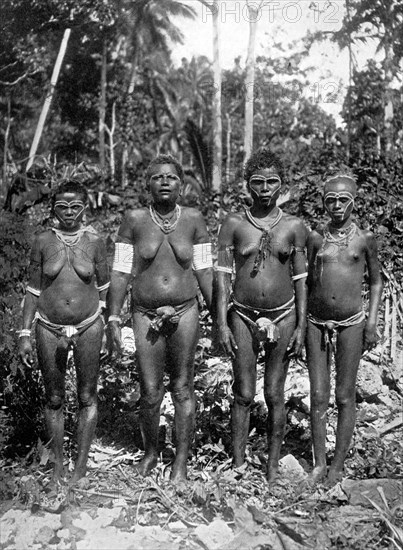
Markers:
point(221, 508)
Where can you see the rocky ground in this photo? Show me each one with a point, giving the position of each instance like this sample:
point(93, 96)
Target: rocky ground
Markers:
point(222, 508)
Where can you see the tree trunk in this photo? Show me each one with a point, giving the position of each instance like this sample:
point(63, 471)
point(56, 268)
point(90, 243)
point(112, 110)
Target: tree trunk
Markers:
point(5, 152)
point(217, 120)
point(125, 149)
point(228, 163)
point(48, 99)
point(350, 68)
point(250, 79)
point(110, 131)
point(388, 109)
point(102, 111)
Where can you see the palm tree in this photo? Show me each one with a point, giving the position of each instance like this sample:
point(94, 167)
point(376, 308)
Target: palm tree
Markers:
point(148, 27)
point(382, 20)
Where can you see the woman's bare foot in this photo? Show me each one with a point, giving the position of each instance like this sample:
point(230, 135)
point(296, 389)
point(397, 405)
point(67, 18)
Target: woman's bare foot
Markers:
point(145, 466)
point(271, 473)
point(317, 475)
point(334, 476)
point(179, 472)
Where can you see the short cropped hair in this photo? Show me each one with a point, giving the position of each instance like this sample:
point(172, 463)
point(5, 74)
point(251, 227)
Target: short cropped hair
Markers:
point(70, 186)
point(348, 176)
point(261, 159)
point(165, 159)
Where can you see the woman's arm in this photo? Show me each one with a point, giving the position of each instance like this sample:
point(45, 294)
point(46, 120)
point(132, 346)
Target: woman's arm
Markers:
point(120, 277)
point(224, 275)
point(375, 291)
point(299, 269)
point(33, 291)
point(102, 271)
point(202, 260)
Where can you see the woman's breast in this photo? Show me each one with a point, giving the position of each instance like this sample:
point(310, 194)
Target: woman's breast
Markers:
point(68, 261)
point(166, 250)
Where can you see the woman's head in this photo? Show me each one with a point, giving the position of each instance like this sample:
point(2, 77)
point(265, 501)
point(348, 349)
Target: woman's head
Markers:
point(260, 160)
point(165, 159)
point(339, 193)
point(69, 202)
point(264, 174)
point(164, 179)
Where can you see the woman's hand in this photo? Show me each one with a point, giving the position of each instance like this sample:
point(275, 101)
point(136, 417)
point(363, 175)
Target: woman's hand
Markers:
point(25, 351)
point(114, 337)
point(226, 340)
point(370, 337)
point(296, 343)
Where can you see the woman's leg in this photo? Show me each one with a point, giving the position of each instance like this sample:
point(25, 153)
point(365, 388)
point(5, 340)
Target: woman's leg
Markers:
point(348, 355)
point(181, 349)
point(52, 363)
point(318, 362)
point(276, 367)
point(319, 378)
point(244, 369)
point(150, 354)
point(86, 358)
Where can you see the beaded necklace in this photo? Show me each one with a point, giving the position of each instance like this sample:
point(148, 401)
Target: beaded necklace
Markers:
point(265, 239)
point(70, 240)
point(341, 239)
point(166, 224)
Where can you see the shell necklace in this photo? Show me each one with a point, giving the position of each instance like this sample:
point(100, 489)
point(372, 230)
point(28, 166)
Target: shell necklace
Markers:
point(341, 238)
point(70, 240)
point(265, 239)
point(166, 224)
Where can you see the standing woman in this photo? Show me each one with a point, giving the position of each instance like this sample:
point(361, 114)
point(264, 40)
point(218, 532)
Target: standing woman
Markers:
point(172, 257)
point(338, 253)
point(268, 300)
point(68, 281)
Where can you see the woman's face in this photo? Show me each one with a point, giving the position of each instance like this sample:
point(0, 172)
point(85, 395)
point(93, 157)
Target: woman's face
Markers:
point(69, 209)
point(165, 183)
point(338, 200)
point(265, 185)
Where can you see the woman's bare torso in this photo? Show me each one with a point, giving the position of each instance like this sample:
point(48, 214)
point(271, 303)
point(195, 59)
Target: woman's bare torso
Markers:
point(68, 292)
point(335, 279)
point(271, 286)
point(163, 262)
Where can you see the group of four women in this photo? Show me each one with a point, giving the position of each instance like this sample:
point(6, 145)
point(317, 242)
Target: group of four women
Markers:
point(263, 296)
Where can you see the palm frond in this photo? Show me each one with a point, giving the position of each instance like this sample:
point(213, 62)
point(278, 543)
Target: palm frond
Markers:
point(200, 151)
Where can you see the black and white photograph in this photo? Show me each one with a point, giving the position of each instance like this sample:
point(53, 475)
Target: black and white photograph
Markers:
point(201, 306)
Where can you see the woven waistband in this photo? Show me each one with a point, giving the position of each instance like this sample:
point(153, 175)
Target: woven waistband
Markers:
point(331, 324)
point(153, 312)
point(257, 310)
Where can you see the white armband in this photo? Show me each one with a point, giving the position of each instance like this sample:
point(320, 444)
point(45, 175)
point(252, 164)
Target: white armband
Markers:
point(123, 259)
point(224, 269)
point(33, 291)
point(202, 258)
point(103, 287)
point(300, 276)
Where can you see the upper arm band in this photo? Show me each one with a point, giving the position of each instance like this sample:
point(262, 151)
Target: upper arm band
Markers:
point(300, 276)
point(103, 287)
point(224, 269)
point(123, 259)
point(202, 258)
point(33, 291)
